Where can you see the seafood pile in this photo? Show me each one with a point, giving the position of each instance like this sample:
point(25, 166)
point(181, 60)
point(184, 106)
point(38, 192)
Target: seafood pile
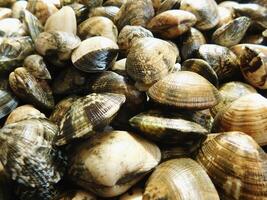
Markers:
point(133, 100)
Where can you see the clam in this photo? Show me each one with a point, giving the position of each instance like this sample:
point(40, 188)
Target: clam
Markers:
point(191, 41)
point(117, 3)
point(171, 23)
point(87, 115)
point(236, 165)
point(24, 112)
point(106, 11)
point(31, 89)
point(6, 2)
point(132, 194)
point(5, 13)
point(224, 62)
point(76, 195)
point(119, 67)
point(42, 9)
point(5, 185)
point(168, 128)
point(81, 11)
point(206, 12)
point(61, 109)
point(150, 59)
point(36, 66)
point(91, 3)
point(168, 5)
point(180, 179)
point(128, 36)
point(246, 114)
point(56, 43)
point(95, 54)
point(134, 12)
point(55, 21)
point(202, 68)
point(257, 39)
point(7, 103)
point(11, 27)
point(231, 33)
point(239, 48)
point(18, 8)
point(134, 157)
point(98, 26)
point(184, 90)
point(225, 15)
point(230, 92)
point(29, 158)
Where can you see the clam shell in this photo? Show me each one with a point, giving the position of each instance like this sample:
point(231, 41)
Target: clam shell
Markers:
point(206, 12)
point(225, 15)
point(246, 114)
point(172, 23)
point(186, 90)
point(230, 92)
point(81, 11)
point(5, 13)
point(134, 12)
point(150, 59)
point(224, 62)
point(6, 2)
point(134, 157)
point(129, 34)
point(87, 115)
point(106, 11)
point(257, 39)
point(239, 48)
point(180, 179)
point(18, 8)
point(231, 33)
point(30, 89)
point(54, 22)
point(117, 3)
point(202, 68)
point(132, 194)
point(168, 5)
point(91, 3)
point(98, 26)
point(120, 67)
point(236, 165)
point(7, 103)
point(76, 195)
point(168, 128)
point(95, 54)
point(24, 112)
point(11, 27)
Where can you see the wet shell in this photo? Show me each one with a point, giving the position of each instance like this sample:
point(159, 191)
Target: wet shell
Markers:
point(30, 89)
point(36, 66)
point(168, 128)
point(24, 112)
point(61, 109)
point(150, 59)
point(5, 13)
point(206, 12)
point(134, 158)
point(180, 179)
point(239, 48)
point(87, 115)
point(76, 195)
point(191, 41)
point(246, 114)
point(18, 8)
point(224, 62)
point(7, 103)
point(236, 165)
point(98, 26)
point(230, 92)
point(172, 23)
point(42, 9)
point(169, 5)
point(134, 12)
point(28, 156)
point(11, 27)
point(65, 14)
point(120, 67)
point(186, 90)
point(128, 36)
point(202, 68)
point(91, 3)
point(107, 11)
point(231, 33)
point(95, 54)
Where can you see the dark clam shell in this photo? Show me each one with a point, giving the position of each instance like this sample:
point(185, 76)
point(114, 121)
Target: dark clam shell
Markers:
point(7, 103)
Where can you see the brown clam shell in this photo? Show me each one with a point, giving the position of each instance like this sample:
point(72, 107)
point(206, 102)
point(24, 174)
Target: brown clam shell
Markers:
point(236, 165)
point(168, 5)
point(186, 90)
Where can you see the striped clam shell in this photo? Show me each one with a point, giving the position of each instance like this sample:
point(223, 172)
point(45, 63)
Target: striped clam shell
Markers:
point(7, 103)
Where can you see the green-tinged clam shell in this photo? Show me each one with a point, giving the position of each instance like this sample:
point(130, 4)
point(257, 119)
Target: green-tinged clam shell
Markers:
point(87, 115)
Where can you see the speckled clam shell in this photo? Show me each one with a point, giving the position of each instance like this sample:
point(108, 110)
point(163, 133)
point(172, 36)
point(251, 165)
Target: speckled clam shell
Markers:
point(150, 59)
point(134, 157)
point(230, 92)
point(224, 62)
point(172, 23)
point(236, 165)
point(98, 26)
point(7, 103)
point(206, 12)
point(134, 12)
point(184, 90)
point(231, 33)
point(180, 179)
point(95, 54)
point(202, 68)
point(30, 89)
point(87, 115)
point(128, 36)
point(104, 11)
point(168, 128)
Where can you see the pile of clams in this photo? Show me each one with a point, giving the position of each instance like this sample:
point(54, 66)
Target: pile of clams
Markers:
point(133, 100)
